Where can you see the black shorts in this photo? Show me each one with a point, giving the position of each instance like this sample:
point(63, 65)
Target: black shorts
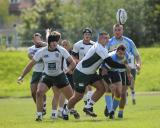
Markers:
point(70, 78)
point(112, 77)
point(59, 81)
point(36, 76)
point(82, 80)
point(125, 80)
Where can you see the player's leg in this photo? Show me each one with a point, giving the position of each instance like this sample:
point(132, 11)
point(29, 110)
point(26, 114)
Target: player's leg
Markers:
point(36, 76)
point(100, 89)
point(88, 94)
point(125, 84)
point(116, 90)
point(62, 101)
point(55, 102)
point(132, 86)
point(41, 90)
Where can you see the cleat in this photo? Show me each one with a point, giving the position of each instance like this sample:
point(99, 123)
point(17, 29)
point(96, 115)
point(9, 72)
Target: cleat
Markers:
point(106, 113)
point(39, 118)
point(134, 102)
point(111, 115)
point(89, 111)
point(120, 115)
point(65, 114)
point(75, 114)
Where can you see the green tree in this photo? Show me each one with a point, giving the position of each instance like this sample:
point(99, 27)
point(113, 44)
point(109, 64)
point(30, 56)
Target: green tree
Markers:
point(152, 21)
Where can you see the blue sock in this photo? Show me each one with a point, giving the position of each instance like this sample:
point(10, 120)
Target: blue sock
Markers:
point(116, 103)
point(109, 102)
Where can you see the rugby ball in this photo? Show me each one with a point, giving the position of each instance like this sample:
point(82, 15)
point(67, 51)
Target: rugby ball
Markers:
point(121, 16)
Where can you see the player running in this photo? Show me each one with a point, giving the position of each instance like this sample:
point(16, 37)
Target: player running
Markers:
point(52, 56)
point(79, 51)
point(85, 74)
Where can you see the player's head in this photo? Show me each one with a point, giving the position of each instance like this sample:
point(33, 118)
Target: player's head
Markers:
point(118, 30)
point(66, 44)
point(87, 33)
point(121, 51)
point(103, 38)
point(53, 39)
point(37, 39)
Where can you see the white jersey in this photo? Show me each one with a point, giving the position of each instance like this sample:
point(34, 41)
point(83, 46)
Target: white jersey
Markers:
point(93, 59)
point(53, 60)
point(81, 48)
point(39, 65)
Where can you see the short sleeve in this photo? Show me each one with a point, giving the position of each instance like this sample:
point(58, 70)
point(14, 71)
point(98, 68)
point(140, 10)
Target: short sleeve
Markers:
point(75, 48)
point(38, 56)
point(102, 52)
point(134, 50)
point(64, 53)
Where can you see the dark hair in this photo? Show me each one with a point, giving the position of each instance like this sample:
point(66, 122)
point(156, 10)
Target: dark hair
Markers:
point(87, 30)
point(121, 47)
point(55, 36)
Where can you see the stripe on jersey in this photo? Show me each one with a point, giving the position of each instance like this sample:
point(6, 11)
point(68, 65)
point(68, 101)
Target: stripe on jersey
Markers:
point(90, 61)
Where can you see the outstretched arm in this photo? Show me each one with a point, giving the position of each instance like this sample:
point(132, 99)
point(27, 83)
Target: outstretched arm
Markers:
point(26, 70)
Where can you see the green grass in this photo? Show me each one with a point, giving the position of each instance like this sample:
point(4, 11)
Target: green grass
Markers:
point(13, 62)
point(20, 113)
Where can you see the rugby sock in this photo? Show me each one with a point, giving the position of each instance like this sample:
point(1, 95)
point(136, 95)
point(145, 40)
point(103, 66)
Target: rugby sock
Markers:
point(90, 103)
point(109, 101)
point(116, 101)
point(89, 94)
point(54, 113)
point(60, 109)
point(39, 113)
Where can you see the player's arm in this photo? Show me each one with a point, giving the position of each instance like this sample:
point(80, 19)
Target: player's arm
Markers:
point(71, 66)
point(26, 70)
point(75, 53)
point(137, 56)
point(138, 62)
point(113, 64)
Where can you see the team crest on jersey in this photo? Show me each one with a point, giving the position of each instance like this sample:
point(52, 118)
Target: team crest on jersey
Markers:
point(57, 54)
point(81, 48)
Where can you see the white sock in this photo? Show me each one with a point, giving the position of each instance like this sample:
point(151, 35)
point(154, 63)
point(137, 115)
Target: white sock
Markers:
point(66, 101)
point(54, 112)
point(85, 97)
point(61, 109)
point(89, 94)
point(39, 113)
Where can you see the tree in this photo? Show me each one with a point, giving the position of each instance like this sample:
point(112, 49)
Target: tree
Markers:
point(152, 21)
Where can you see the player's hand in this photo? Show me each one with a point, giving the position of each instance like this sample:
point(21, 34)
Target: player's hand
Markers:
point(130, 77)
point(20, 80)
point(68, 71)
point(128, 68)
point(138, 67)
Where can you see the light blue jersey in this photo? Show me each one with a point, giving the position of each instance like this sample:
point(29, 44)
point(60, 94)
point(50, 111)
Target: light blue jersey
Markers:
point(128, 43)
point(130, 48)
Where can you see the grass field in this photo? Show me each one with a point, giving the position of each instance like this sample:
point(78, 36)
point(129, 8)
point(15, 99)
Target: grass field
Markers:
point(13, 62)
point(20, 113)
